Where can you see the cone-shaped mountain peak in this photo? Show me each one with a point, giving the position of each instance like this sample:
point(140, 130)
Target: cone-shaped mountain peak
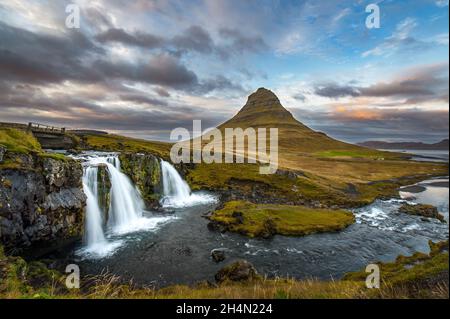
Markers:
point(262, 108)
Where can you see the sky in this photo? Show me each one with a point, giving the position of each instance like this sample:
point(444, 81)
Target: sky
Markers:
point(142, 68)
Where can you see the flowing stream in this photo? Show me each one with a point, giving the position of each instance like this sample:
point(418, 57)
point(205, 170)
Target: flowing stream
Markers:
point(174, 246)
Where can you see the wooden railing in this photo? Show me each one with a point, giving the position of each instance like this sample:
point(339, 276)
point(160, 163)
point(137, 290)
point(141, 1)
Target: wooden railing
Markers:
point(37, 127)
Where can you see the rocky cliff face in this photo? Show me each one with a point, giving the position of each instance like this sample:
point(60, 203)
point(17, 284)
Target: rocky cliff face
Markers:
point(145, 172)
point(40, 202)
point(104, 191)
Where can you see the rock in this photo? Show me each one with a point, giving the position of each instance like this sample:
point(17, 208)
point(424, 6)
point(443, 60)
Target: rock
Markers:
point(218, 255)
point(184, 251)
point(145, 171)
point(240, 270)
point(428, 211)
point(216, 226)
point(2, 152)
point(290, 174)
point(58, 173)
point(269, 229)
point(238, 216)
point(42, 203)
point(103, 189)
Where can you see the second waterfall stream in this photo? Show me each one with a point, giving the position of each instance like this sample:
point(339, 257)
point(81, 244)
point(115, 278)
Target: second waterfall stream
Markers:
point(176, 192)
point(104, 226)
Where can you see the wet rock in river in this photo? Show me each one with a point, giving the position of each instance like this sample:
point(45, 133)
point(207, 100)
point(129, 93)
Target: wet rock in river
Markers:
point(216, 226)
point(218, 255)
point(423, 210)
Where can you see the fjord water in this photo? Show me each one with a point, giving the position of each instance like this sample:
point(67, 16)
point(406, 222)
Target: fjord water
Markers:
point(179, 252)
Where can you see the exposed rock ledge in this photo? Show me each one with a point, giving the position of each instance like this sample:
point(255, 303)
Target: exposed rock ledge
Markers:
point(145, 172)
point(41, 204)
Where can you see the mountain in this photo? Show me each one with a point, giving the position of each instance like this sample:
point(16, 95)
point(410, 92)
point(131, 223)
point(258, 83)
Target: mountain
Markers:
point(263, 109)
point(442, 145)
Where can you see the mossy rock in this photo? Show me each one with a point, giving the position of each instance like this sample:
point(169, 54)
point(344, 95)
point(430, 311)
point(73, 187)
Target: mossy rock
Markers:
point(145, 172)
point(266, 220)
point(104, 190)
point(423, 210)
point(240, 271)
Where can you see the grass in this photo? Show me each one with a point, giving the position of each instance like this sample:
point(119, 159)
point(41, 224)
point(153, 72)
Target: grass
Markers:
point(413, 274)
point(259, 220)
point(363, 153)
point(19, 141)
point(117, 143)
point(306, 187)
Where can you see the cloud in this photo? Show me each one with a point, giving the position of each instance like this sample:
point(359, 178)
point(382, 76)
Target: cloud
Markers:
point(240, 43)
point(334, 90)
point(24, 55)
point(392, 124)
point(219, 82)
point(194, 38)
point(415, 85)
point(299, 97)
point(161, 69)
point(402, 41)
point(442, 3)
point(139, 39)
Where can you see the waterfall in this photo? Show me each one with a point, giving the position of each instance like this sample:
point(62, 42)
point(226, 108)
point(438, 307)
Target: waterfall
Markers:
point(174, 187)
point(125, 211)
point(93, 225)
point(126, 202)
point(176, 192)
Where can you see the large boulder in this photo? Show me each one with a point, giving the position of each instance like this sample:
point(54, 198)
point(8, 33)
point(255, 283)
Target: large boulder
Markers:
point(240, 271)
point(218, 255)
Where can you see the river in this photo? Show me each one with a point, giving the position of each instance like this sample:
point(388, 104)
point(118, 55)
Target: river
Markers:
point(176, 249)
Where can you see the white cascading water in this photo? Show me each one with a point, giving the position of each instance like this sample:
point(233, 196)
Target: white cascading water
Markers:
point(93, 224)
point(176, 192)
point(125, 211)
